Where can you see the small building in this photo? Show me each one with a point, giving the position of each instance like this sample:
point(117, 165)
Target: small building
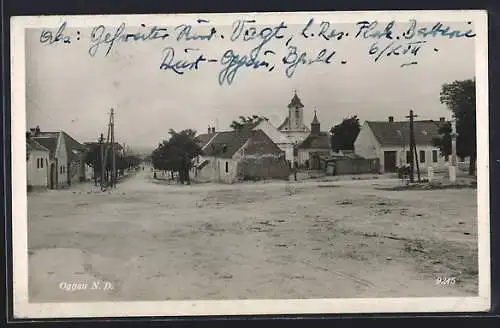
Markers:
point(66, 157)
point(37, 164)
point(389, 141)
point(316, 145)
point(232, 156)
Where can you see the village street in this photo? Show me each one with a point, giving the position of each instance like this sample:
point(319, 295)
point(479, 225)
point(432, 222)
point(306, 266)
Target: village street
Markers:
point(154, 241)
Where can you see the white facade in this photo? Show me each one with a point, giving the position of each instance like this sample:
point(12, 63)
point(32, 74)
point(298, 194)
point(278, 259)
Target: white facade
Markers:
point(367, 146)
point(223, 170)
point(37, 168)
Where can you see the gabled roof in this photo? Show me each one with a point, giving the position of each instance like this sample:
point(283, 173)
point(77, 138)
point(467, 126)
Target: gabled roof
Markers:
point(203, 139)
point(316, 141)
point(49, 140)
point(232, 141)
point(32, 145)
point(398, 133)
point(49, 143)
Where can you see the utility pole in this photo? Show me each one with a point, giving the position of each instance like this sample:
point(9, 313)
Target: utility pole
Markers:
point(113, 159)
point(453, 167)
point(413, 149)
point(101, 147)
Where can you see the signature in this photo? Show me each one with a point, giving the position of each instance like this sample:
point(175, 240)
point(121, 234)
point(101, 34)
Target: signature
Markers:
point(180, 66)
point(232, 62)
point(292, 60)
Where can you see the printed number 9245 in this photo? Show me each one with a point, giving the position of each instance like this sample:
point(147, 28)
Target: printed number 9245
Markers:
point(446, 281)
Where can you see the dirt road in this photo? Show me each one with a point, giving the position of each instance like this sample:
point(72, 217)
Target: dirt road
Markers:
point(152, 241)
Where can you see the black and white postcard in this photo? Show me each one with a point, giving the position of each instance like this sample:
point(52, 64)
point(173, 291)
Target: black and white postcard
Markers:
point(250, 163)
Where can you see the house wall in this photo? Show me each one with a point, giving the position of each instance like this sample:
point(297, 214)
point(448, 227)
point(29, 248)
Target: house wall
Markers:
point(37, 176)
point(62, 162)
point(428, 160)
point(263, 167)
point(215, 170)
point(366, 145)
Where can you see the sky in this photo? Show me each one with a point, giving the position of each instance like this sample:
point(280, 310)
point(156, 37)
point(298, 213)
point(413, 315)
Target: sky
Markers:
point(67, 89)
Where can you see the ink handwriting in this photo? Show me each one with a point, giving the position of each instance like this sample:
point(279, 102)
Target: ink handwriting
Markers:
point(257, 46)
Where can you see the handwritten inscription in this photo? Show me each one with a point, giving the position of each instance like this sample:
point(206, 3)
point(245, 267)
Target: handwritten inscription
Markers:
point(273, 48)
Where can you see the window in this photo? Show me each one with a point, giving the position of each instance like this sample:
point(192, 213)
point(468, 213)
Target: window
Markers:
point(434, 156)
point(422, 156)
point(38, 163)
point(408, 157)
point(41, 163)
point(61, 170)
point(227, 167)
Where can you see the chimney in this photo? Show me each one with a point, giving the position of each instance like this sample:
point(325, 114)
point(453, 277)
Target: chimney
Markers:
point(213, 130)
point(441, 119)
point(391, 118)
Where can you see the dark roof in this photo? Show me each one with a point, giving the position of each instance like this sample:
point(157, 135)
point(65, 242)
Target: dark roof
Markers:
point(49, 143)
point(232, 141)
point(295, 102)
point(316, 141)
point(260, 143)
point(203, 139)
point(398, 133)
point(33, 145)
point(315, 119)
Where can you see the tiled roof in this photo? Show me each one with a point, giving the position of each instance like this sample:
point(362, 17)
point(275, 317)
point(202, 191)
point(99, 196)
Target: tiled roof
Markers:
point(49, 141)
point(231, 141)
point(316, 141)
point(203, 139)
point(286, 124)
point(398, 133)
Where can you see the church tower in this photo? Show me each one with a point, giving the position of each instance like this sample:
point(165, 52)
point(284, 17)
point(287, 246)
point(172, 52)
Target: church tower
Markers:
point(315, 125)
point(296, 113)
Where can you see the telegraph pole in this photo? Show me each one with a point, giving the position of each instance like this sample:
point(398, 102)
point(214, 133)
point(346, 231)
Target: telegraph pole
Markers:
point(101, 146)
point(413, 149)
point(113, 159)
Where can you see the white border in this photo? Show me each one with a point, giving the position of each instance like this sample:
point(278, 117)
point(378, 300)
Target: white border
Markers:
point(24, 309)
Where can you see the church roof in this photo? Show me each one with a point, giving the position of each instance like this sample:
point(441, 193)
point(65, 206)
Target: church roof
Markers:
point(316, 141)
point(315, 119)
point(295, 102)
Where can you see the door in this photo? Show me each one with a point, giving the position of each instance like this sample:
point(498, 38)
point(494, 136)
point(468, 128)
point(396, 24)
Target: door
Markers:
point(389, 161)
point(53, 176)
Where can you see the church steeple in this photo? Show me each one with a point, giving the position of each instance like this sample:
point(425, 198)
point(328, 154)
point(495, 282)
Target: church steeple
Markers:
point(295, 113)
point(315, 125)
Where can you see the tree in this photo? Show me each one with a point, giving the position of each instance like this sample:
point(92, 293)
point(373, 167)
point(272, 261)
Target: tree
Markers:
point(247, 121)
point(460, 98)
point(344, 134)
point(176, 153)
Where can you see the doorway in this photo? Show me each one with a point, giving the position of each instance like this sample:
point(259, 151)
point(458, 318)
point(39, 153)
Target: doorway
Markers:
point(390, 161)
point(53, 176)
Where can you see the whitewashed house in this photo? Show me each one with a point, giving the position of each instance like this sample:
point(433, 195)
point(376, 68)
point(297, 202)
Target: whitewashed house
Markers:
point(66, 157)
point(231, 156)
point(37, 164)
point(389, 141)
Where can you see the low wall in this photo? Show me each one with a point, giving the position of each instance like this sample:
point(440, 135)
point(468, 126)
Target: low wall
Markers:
point(261, 168)
point(353, 166)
